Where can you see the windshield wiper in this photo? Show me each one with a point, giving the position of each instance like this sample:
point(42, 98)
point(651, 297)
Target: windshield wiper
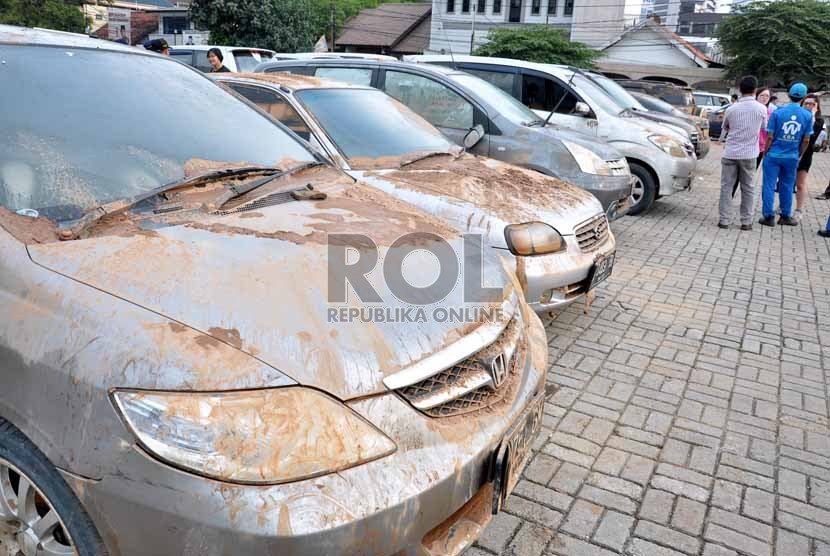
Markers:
point(76, 227)
point(424, 156)
point(534, 123)
point(235, 191)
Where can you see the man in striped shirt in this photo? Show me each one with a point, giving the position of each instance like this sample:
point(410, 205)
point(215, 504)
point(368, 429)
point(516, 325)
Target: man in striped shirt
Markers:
point(742, 124)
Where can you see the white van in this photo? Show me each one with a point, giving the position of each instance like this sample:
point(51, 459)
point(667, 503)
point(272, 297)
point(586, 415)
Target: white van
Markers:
point(235, 58)
point(661, 158)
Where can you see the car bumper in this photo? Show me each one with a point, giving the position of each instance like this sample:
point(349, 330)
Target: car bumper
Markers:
point(555, 281)
point(432, 496)
point(675, 174)
point(611, 191)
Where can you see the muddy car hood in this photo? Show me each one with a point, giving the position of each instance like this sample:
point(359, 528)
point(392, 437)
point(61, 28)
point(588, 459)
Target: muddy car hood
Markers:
point(257, 280)
point(483, 195)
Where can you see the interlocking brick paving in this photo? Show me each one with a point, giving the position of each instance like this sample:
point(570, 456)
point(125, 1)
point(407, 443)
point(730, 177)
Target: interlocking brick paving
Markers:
point(692, 411)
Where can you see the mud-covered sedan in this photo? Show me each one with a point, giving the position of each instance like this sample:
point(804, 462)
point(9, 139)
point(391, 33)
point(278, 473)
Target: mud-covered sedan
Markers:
point(182, 376)
point(555, 233)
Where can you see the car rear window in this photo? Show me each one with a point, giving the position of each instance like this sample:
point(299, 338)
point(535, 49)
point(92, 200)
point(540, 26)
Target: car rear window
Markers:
point(248, 60)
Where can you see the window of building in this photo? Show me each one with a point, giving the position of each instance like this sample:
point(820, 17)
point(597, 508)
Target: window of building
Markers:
point(551, 7)
point(174, 25)
point(535, 6)
point(465, 6)
point(569, 7)
point(450, 6)
point(480, 6)
point(496, 6)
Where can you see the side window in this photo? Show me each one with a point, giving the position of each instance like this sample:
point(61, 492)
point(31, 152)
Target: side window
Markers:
point(353, 76)
point(185, 56)
point(246, 60)
point(436, 103)
point(200, 61)
point(541, 93)
point(275, 105)
point(287, 69)
point(500, 79)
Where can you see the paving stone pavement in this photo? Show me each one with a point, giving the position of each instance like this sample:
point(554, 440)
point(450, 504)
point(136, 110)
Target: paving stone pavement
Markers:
point(692, 410)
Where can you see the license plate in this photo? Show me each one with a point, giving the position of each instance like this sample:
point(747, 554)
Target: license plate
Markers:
point(514, 451)
point(601, 270)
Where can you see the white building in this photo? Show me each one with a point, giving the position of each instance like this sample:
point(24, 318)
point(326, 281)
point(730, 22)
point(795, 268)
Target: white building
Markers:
point(455, 22)
point(669, 11)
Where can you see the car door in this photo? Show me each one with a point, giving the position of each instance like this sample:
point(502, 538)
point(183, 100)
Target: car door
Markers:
point(439, 104)
point(544, 93)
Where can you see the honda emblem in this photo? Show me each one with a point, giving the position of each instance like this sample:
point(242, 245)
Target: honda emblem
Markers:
point(498, 370)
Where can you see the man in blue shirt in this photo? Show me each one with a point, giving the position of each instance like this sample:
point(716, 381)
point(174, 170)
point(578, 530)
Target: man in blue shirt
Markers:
point(788, 136)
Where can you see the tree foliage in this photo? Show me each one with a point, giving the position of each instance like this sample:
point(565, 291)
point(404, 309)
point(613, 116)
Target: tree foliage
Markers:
point(537, 44)
point(779, 42)
point(281, 25)
point(63, 15)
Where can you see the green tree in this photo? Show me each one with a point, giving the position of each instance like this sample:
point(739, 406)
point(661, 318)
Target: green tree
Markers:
point(779, 42)
point(537, 44)
point(281, 25)
point(63, 15)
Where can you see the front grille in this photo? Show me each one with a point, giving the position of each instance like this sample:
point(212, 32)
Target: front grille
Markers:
point(695, 138)
point(470, 384)
point(618, 167)
point(591, 233)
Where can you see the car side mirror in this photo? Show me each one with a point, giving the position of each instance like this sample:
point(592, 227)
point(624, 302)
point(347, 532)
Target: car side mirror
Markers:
point(582, 109)
point(473, 136)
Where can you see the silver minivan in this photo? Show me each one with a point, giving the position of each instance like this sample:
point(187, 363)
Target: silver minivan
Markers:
point(661, 158)
point(456, 102)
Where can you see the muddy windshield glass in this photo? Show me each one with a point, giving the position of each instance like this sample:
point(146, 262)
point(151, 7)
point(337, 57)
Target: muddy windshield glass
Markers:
point(86, 127)
point(366, 123)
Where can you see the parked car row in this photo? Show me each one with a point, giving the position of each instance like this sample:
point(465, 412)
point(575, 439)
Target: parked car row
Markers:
point(192, 270)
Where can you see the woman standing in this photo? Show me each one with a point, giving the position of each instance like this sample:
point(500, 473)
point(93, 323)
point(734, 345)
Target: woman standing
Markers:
point(215, 59)
point(763, 96)
point(810, 103)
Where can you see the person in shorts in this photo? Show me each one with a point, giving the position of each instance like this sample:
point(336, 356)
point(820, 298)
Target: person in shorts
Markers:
point(810, 103)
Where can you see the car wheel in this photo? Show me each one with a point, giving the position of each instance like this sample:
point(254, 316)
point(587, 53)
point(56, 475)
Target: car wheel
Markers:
point(643, 191)
point(39, 513)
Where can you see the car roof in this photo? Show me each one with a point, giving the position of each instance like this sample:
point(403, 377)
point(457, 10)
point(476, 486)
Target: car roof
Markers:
point(11, 34)
point(288, 82)
point(358, 62)
point(333, 55)
point(486, 60)
point(208, 47)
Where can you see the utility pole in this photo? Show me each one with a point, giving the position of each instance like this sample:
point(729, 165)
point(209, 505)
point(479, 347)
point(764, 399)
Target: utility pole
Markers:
point(473, 33)
point(331, 25)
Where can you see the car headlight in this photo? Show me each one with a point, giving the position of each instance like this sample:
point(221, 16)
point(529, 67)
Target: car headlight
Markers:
point(668, 145)
point(265, 436)
point(588, 161)
point(533, 238)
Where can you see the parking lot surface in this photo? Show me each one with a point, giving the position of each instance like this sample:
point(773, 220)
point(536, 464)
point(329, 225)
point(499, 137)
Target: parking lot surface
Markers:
point(692, 410)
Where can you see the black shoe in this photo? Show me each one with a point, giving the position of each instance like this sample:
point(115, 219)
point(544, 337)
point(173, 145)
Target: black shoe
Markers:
point(823, 196)
point(787, 221)
point(767, 221)
point(824, 233)
point(723, 226)
point(746, 227)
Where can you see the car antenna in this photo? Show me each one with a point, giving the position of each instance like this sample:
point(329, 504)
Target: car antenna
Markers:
point(561, 100)
point(449, 45)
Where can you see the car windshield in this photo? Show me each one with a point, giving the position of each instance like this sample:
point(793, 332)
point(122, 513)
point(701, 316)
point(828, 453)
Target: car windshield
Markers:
point(596, 95)
point(84, 127)
point(622, 97)
point(367, 123)
point(504, 104)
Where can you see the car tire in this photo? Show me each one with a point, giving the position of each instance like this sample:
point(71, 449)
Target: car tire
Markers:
point(21, 460)
point(644, 191)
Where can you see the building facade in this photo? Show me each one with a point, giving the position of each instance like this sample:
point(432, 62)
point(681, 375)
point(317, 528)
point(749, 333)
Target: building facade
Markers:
point(459, 25)
point(671, 12)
